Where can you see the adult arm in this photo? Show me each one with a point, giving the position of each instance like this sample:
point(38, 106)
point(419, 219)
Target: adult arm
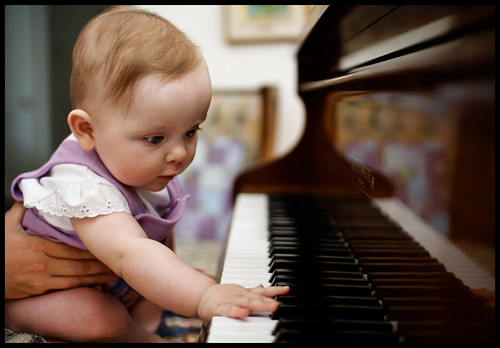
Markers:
point(35, 265)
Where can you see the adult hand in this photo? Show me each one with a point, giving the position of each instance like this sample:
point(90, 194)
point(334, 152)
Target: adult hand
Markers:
point(35, 265)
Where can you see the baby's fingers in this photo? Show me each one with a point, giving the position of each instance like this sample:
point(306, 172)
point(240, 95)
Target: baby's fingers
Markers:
point(235, 301)
point(271, 291)
point(240, 307)
point(257, 304)
point(232, 311)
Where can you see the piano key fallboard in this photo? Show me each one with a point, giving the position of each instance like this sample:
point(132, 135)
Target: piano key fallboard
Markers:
point(355, 274)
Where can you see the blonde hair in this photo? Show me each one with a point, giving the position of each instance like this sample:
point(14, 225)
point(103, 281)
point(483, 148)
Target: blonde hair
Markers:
point(122, 44)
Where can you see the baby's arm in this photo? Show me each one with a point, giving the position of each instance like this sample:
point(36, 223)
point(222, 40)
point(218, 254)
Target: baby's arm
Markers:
point(159, 275)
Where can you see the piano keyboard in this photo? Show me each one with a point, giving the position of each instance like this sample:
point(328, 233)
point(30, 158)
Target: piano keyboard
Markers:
point(369, 290)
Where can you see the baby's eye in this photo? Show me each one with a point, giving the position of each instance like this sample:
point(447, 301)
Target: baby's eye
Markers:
point(192, 132)
point(155, 139)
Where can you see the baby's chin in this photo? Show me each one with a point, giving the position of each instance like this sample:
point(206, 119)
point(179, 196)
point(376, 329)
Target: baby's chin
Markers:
point(158, 185)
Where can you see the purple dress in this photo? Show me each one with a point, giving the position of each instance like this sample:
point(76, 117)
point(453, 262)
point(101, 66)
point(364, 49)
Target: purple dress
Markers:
point(157, 228)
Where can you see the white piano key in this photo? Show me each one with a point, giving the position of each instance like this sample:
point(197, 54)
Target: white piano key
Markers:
point(242, 262)
point(437, 245)
point(251, 330)
point(249, 283)
point(235, 269)
point(232, 278)
point(246, 263)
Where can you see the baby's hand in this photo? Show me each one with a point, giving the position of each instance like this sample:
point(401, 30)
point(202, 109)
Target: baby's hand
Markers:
point(235, 301)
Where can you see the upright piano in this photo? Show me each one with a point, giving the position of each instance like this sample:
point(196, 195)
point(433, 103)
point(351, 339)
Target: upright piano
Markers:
point(381, 219)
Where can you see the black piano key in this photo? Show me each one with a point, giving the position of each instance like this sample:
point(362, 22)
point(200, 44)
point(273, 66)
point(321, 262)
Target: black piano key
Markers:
point(311, 258)
point(403, 267)
point(329, 312)
point(324, 251)
point(289, 233)
point(336, 240)
point(301, 226)
point(305, 265)
point(314, 280)
point(441, 318)
point(401, 281)
point(306, 232)
point(377, 275)
point(433, 330)
point(417, 281)
point(400, 252)
point(329, 300)
point(339, 329)
point(314, 272)
point(384, 259)
point(368, 226)
point(331, 336)
point(378, 243)
point(374, 235)
point(335, 324)
point(420, 290)
point(422, 300)
point(307, 243)
point(450, 314)
point(328, 289)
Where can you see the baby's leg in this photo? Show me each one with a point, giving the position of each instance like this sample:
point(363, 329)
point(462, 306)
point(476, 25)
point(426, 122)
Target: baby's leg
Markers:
point(147, 314)
point(76, 315)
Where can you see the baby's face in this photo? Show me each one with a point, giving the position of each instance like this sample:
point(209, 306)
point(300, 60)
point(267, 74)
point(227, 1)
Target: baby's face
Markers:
point(152, 140)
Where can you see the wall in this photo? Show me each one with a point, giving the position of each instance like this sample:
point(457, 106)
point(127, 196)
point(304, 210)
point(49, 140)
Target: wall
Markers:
point(27, 92)
point(37, 95)
point(39, 40)
point(244, 66)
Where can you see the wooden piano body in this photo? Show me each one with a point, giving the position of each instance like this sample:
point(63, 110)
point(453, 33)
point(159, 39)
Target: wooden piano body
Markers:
point(429, 66)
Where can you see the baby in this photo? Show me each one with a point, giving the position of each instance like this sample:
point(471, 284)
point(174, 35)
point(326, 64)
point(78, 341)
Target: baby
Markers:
point(140, 90)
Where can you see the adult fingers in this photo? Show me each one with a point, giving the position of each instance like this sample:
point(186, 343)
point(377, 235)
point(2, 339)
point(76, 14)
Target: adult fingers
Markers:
point(17, 211)
point(64, 251)
point(14, 218)
point(76, 268)
point(61, 283)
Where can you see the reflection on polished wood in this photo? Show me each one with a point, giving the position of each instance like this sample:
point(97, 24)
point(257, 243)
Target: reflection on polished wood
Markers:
point(447, 62)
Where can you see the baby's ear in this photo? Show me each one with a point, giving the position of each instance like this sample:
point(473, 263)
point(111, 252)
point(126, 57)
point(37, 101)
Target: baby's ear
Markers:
point(80, 123)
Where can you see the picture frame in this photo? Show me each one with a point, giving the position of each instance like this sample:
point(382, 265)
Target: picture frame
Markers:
point(237, 134)
point(245, 114)
point(264, 23)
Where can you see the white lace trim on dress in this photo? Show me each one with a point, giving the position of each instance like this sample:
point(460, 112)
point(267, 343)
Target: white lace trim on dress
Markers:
point(73, 191)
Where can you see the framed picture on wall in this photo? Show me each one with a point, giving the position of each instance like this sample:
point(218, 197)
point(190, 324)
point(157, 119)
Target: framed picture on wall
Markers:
point(263, 23)
point(246, 116)
point(238, 133)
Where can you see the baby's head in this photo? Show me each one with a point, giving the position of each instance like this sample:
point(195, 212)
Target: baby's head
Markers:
point(140, 90)
point(118, 47)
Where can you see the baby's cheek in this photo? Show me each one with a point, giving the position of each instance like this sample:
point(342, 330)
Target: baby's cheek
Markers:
point(133, 174)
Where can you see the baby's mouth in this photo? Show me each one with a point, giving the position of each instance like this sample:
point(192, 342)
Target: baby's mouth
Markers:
point(166, 178)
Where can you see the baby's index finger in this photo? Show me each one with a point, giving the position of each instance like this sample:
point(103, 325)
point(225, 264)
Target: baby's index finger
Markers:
point(278, 290)
point(271, 291)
